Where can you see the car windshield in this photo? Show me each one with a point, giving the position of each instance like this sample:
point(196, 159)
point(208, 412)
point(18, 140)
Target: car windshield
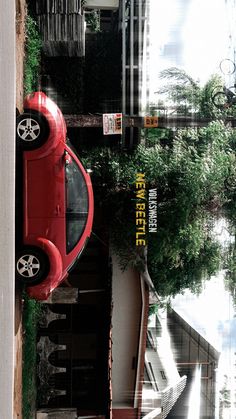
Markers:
point(76, 204)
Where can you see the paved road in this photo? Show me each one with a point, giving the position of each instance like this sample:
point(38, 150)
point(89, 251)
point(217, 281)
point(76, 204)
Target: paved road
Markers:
point(7, 205)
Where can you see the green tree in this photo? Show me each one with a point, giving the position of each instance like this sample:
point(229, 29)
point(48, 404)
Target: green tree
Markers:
point(191, 177)
point(181, 88)
point(230, 268)
point(189, 96)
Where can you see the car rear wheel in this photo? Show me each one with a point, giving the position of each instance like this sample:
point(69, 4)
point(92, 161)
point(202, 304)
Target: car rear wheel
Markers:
point(31, 130)
point(31, 266)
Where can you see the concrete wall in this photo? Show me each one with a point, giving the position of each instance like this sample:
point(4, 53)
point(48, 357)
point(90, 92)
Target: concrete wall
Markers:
point(163, 367)
point(125, 413)
point(161, 357)
point(126, 318)
point(192, 348)
point(56, 414)
point(102, 4)
point(64, 414)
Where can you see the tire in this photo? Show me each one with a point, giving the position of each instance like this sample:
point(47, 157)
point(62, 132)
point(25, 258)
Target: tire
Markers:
point(32, 266)
point(32, 130)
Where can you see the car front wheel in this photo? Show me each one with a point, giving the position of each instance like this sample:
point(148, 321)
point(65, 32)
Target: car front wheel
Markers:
point(31, 130)
point(31, 266)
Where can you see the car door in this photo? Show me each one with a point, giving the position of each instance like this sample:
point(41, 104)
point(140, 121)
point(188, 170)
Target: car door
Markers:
point(44, 207)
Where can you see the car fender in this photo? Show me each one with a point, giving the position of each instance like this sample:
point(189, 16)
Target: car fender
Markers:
point(55, 274)
point(39, 102)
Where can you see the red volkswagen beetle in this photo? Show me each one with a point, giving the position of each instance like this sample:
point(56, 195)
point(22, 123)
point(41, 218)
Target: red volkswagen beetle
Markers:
point(57, 198)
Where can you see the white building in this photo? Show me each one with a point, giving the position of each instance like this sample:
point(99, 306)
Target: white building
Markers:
point(163, 384)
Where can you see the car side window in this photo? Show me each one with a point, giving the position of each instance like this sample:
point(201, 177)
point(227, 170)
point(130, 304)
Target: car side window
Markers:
point(76, 204)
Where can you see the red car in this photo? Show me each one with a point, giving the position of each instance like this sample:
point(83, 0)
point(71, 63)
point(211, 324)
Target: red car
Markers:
point(57, 198)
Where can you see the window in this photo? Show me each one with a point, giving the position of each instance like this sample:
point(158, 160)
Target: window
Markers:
point(163, 375)
point(76, 205)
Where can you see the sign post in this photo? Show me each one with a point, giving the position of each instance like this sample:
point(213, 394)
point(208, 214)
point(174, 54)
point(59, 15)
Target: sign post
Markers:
point(150, 121)
point(112, 123)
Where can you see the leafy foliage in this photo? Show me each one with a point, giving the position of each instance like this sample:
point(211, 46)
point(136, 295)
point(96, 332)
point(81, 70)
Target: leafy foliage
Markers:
point(33, 56)
point(181, 88)
point(181, 258)
point(191, 175)
point(206, 105)
point(179, 75)
point(93, 20)
point(230, 267)
point(153, 309)
point(188, 96)
point(31, 315)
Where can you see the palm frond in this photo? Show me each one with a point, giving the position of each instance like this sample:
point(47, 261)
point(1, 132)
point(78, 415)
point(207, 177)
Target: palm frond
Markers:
point(178, 74)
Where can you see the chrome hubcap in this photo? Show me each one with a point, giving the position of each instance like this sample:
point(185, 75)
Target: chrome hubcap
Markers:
point(28, 266)
point(28, 129)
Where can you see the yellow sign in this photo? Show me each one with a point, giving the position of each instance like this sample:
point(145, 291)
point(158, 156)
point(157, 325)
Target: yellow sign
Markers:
point(150, 121)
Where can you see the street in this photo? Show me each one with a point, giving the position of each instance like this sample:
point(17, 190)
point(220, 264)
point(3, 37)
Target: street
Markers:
point(7, 205)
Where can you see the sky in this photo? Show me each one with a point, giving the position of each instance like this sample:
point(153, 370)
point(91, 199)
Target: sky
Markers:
point(213, 315)
point(192, 34)
point(197, 35)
